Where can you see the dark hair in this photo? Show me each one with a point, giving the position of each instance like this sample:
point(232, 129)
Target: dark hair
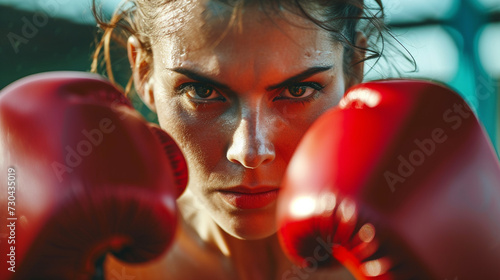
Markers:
point(342, 18)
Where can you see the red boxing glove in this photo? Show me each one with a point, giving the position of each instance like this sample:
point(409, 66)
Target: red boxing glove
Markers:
point(82, 174)
point(398, 182)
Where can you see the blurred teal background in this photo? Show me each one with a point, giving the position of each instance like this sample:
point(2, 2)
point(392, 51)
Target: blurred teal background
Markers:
point(456, 42)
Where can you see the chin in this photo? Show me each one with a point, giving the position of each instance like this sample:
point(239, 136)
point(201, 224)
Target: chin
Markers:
point(253, 234)
point(251, 227)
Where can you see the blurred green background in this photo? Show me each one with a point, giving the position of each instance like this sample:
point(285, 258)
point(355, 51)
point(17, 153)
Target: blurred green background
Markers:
point(456, 42)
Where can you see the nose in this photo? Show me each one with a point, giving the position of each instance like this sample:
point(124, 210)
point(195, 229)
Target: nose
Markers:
point(251, 145)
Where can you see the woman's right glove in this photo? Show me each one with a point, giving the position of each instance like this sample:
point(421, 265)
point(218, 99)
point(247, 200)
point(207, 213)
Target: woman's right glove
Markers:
point(82, 174)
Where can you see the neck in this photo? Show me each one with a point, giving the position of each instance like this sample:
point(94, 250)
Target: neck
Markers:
point(247, 259)
point(254, 259)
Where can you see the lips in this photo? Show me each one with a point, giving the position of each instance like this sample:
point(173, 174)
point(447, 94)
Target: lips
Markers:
point(249, 198)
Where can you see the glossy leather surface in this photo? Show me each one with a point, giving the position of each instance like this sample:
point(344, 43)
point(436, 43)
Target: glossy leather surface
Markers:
point(398, 182)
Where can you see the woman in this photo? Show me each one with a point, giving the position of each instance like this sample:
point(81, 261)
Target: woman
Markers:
point(237, 83)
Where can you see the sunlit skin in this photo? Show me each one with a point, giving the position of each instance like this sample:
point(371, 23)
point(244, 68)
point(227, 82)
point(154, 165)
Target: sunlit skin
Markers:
point(237, 104)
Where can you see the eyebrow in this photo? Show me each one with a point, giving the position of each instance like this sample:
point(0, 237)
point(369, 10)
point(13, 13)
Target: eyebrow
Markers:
point(299, 77)
point(199, 77)
point(288, 82)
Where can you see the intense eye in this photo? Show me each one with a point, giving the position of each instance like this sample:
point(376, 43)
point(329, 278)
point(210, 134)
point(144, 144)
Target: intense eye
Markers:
point(300, 91)
point(199, 91)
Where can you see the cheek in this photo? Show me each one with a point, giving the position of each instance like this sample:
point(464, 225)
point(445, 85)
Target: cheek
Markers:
point(202, 140)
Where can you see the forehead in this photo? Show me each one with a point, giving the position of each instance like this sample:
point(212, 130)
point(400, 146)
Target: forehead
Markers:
point(207, 40)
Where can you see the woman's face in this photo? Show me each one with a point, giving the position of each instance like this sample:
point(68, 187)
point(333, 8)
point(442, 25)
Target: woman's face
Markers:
point(238, 101)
